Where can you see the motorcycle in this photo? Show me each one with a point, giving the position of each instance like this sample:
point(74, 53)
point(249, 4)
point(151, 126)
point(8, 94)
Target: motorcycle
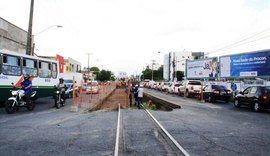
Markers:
point(18, 100)
point(58, 99)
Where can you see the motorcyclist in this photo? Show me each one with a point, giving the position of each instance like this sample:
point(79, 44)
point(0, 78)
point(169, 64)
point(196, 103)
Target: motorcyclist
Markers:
point(61, 86)
point(27, 87)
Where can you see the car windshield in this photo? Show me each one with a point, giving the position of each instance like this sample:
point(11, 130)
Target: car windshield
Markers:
point(266, 90)
point(219, 87)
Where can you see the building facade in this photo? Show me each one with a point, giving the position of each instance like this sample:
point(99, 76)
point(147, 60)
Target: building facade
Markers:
point(12, 37)
point(176, 61)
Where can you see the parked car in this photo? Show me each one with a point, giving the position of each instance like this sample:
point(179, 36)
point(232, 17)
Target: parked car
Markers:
point(173, 88)
point(214, 92)
point(191, 87)
point(165, 86)
point(256, 97)
point(92, 87)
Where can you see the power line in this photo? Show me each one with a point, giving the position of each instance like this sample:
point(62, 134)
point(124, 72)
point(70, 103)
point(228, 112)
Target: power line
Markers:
point(245, 39)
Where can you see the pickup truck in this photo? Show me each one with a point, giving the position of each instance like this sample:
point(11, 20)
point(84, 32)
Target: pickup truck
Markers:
point(192, 87)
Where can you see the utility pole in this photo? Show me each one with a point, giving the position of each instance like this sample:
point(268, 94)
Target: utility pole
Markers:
point(29, 33)
point(152, 68)
point(88, 68)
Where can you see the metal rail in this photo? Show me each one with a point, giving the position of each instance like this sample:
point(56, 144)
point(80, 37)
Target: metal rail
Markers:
point(116, 148)
point(167, 134)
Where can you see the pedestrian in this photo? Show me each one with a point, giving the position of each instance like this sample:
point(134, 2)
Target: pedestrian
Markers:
point(136, 95)
point(129, 94)
point(234, 89)
point(140, 96)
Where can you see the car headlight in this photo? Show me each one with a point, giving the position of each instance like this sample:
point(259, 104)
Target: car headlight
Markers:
point(57, 92)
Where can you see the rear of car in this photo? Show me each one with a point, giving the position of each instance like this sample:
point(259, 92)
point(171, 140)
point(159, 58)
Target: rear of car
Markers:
point(92, 87)
point(264, 97)
point(190, 87)
point(217, 92)
point(176, 87)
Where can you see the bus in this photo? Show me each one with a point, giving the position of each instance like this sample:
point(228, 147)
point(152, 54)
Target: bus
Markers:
point(44, 73)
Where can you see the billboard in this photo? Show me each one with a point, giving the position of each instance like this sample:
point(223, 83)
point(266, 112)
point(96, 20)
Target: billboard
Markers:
point(246, 65)
point(205, 68)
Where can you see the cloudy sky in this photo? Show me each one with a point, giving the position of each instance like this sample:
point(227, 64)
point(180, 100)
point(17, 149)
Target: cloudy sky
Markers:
point(125, 35)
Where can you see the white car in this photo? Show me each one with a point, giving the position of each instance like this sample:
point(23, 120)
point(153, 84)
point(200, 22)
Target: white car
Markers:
point(92, 87)
point(190, 87)
point(165, 86)
point(173, 88)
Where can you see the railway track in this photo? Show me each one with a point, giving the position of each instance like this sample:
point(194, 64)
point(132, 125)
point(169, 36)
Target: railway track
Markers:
point(170, 145)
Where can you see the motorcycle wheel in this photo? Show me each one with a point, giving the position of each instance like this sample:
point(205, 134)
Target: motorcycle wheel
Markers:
point(58, 102)
point(9, 108)
point(31, 105)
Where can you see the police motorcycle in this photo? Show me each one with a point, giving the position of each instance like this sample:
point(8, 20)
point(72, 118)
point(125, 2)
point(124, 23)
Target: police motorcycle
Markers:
point(59, 97)
point(17, 100)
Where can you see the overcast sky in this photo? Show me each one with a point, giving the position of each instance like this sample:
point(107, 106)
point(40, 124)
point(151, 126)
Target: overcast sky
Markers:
point(124, 35)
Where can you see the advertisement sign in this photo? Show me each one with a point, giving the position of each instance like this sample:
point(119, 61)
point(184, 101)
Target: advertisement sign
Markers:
point(246, 65)
point(205, 68)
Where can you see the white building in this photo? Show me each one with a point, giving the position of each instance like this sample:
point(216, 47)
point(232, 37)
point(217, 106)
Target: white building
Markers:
point(179, 57)
point(122, 75)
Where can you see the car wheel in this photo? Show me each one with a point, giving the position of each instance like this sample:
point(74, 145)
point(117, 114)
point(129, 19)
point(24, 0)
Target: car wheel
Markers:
point(236, 103)
point(257, 107)
point(209, 98)
point(187, 94)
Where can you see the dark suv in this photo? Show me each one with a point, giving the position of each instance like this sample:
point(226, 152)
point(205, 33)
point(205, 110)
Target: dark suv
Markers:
point(256, 97)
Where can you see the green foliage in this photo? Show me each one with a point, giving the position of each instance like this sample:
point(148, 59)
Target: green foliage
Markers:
point(94, 69)
point(105, 75)
point(179, 75)
point(152, 107)
point(157, 74)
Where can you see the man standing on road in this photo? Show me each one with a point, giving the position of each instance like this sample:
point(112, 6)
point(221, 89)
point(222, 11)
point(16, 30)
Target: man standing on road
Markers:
point(140, 96)
point(136, 95)
point(129, 94)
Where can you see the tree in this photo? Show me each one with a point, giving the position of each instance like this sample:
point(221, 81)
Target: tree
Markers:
point(94, 69)
point(157, 74)
point(105, 75)
point(179, 75)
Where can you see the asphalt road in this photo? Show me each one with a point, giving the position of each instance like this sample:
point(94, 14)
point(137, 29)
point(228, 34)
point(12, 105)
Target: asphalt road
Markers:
point(216, 128)
point(200, 128)
point(50, 131)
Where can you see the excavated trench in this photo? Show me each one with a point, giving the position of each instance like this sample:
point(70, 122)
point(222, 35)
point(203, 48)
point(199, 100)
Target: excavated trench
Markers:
point(118, 96)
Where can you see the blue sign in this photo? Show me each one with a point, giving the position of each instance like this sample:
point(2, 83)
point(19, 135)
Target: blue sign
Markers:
point(246, 65)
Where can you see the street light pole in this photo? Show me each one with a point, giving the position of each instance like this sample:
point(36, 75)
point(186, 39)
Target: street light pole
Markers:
point(33, 49)
point(58, 26)
point(29, 33)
